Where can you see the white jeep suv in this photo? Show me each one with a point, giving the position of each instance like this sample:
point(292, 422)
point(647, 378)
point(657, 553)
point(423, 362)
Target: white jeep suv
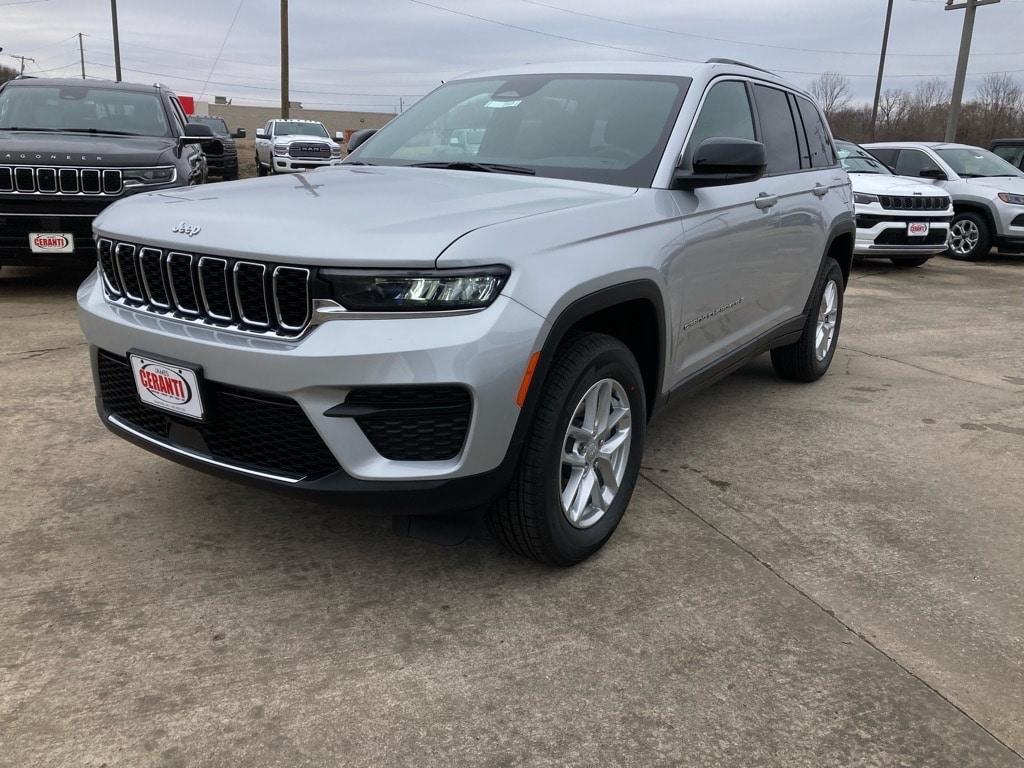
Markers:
point(987, 192)
point(899, 219)
point(288, 146)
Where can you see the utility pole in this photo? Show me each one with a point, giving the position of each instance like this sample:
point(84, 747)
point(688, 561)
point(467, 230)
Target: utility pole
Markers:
point(284, 59)
point(23, 60)
point(401, 105)
point(117, 44)
point(881, 68)
point(81, 54)
point(969, 6)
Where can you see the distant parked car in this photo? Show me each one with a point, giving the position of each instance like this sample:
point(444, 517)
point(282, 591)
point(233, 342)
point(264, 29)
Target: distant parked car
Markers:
point(288, 146)
point(1011, 150)
point(221, 155)
point(900, 219)
point(987, 192)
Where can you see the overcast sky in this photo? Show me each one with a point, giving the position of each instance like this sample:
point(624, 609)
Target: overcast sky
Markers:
point(367, 54)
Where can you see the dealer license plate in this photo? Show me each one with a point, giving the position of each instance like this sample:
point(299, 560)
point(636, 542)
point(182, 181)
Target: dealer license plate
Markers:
point(917, 228)
point(168, 386)
point(51, 242)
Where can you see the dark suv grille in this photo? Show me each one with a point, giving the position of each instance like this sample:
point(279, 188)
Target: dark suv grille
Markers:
point(227, 293)
point(61, 181)
point(914, 203)
point(900, 237)
point(252, 429)
point(424, 423)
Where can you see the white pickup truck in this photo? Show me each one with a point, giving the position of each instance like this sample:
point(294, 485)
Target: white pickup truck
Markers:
point(289, 146)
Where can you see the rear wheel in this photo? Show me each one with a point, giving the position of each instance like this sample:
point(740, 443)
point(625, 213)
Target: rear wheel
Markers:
point(581, 457)
point(907, 263)
point(809, 357)
point(260, 170)
point(969, 237)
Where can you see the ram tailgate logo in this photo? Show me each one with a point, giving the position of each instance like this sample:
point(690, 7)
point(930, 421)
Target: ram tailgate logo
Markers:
point(184, 228)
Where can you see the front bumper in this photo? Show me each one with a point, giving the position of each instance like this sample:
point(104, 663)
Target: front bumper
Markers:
point(887, 237)
point(485, 352)
point(295, 164)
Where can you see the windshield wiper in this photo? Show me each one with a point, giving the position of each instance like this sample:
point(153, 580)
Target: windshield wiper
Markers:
point(97, 130)
point(19, 128)
point(357, 162)
point(466, 165)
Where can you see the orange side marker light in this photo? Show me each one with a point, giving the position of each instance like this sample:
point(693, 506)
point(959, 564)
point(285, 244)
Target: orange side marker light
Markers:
point(524, 387)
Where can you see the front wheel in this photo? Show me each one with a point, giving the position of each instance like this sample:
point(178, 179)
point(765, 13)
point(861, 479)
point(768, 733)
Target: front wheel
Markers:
point(969, 237)
point(809, 357)
point(260, 170)
point(581, 457)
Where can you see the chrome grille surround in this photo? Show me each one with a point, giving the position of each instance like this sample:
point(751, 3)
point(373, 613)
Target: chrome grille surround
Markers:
point(53, 180)
point(236, 295)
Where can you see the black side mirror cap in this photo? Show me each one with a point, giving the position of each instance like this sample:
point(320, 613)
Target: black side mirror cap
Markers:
point(238, 134)
point(719, 161)
point(198, 130)
point(359, 137)
point(932, 173)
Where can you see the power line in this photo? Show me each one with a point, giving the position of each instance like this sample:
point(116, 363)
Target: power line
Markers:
point(668, 31)
point(220, 50)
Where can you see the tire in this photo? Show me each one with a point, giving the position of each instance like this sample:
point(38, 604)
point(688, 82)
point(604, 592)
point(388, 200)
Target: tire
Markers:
point(260, 170)
point(908, 263)
point(969, 237)
point(803, 359)
point(529, 518)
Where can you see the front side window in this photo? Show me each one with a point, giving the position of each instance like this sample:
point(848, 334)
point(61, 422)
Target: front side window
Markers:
point(82, 108)
point(609, 129)
point(778, 131)
point(976, 162)
point(912, 162)
point(857, 160)
point(724, 114)
point(292, 128)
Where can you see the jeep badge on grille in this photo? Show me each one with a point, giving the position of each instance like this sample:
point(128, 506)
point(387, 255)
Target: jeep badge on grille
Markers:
point(184, 228)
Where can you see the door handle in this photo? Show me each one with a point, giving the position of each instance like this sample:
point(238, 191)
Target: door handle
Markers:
point(820, 189)
point(764, 201)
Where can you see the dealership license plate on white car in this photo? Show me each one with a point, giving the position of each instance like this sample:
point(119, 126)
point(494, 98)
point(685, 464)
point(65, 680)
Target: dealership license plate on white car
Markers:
point(51, 242)
point(167, 386)
point(917, 228)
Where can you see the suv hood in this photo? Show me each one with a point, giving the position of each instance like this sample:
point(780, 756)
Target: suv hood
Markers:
point(344, 215)
point(877, 184)
point(1013, 184)
point(78, 149)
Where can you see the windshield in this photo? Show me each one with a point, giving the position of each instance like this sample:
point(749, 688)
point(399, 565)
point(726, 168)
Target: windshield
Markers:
point(289, 128)
point(82, 108)
point(214, 122)
point(856, 160)
point(610, 129)
point(975, 162)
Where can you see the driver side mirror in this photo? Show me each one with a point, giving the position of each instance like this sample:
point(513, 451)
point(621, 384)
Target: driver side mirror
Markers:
point(719, 161)
point(238, 134)
point(932, 173)
point(359, 137)
point(261, 133)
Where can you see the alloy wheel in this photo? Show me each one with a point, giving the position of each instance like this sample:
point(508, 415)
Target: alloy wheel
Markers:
point(595, 451)
point(963, 237)
point(828, 315)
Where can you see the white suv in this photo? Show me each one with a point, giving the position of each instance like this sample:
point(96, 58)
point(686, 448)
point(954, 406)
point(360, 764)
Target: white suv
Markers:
point(289, 146)
point(899, 219)
point(987, 192)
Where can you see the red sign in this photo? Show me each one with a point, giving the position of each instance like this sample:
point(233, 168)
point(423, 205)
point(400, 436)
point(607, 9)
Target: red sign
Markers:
point(50, 242)
point(188, 103)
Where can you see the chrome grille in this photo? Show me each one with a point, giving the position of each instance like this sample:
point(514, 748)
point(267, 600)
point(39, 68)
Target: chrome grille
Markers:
point(914, 203)
point(235, 294)
point(312, 150)
point(28, 180)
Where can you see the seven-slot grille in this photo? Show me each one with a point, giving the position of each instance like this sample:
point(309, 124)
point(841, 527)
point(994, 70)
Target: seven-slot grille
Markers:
point(242, 295)
point(309, 150)
point(61, 181)
point(915, 203)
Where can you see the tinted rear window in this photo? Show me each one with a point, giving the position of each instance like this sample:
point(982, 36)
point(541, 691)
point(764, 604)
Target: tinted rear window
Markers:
point(778, 131)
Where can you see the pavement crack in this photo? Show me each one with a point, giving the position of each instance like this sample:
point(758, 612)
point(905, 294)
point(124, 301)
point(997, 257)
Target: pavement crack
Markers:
point(920, 367)
point(28, 354)
point(831, 613)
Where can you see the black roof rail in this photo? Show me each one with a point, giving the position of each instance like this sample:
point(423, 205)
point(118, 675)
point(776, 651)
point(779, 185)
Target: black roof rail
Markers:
point(740, 64)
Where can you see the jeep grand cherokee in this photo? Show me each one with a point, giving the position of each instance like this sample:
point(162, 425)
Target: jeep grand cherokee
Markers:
point(439, 325)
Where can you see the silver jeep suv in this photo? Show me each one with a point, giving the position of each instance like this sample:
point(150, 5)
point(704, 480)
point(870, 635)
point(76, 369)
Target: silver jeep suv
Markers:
point(457, 325)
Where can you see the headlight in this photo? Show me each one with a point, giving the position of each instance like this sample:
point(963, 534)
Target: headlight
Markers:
point(280, 149)
point(420, 291)
point(1012, 199)
point(135, 176)
point(860, 197)
point(335, 151)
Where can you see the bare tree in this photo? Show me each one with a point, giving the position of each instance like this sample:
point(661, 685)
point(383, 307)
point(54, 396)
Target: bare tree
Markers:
point(832, 91)
point(7, 73)
point(892, 107)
